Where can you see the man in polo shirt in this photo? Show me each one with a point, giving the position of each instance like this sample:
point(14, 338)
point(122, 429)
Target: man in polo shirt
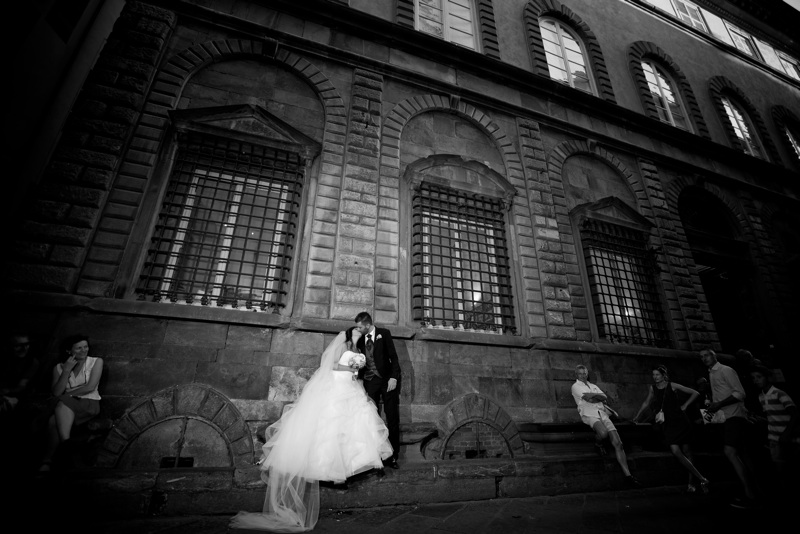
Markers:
point(591, 406)
point(727, 395)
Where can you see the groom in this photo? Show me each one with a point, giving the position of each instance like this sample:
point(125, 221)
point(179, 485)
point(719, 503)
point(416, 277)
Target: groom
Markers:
point(381, 376)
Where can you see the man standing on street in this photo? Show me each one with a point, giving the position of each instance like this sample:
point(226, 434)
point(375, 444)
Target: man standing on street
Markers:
point(728, 397)
point(591, 406)
point(381, 376)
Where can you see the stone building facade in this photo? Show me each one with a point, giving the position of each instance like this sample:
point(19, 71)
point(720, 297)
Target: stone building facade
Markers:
point(238, 179)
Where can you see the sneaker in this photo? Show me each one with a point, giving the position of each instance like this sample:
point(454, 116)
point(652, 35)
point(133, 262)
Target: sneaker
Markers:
point(691, 488)
point(744, 504)
point(631, 481)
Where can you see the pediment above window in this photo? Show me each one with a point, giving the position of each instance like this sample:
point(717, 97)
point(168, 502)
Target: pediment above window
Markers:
point(248, 122)
point(612, 210)
point(460, 173)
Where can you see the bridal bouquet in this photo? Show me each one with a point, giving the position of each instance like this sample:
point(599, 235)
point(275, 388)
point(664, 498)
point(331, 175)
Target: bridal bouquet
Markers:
point(357, 361)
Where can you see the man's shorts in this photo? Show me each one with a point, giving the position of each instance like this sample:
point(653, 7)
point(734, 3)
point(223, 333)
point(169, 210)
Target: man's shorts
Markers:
point(603, 418)
point(736, 430)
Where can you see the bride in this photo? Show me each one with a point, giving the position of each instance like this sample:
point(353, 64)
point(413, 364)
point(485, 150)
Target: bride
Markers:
point(332, 432)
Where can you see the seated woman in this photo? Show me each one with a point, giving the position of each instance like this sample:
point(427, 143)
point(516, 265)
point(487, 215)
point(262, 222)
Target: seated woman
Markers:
point(75, 385)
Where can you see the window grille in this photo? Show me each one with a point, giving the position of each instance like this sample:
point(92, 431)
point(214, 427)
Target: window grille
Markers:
point(460, 267)
point(226, 231)
point(622, 276)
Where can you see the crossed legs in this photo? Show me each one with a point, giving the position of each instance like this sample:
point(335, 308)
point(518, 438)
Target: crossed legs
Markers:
point(59, 427)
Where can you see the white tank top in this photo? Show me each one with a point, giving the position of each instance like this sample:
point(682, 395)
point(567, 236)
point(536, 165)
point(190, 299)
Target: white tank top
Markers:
point(82, 378)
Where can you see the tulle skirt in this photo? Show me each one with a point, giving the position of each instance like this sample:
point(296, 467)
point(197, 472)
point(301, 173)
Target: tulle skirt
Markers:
point(330, 434)
point(350, 436)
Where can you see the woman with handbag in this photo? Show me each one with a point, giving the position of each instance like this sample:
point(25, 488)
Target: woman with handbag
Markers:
point(671, 417)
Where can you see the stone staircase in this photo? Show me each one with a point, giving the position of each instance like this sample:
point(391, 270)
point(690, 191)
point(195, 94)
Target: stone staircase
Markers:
point(194, 491)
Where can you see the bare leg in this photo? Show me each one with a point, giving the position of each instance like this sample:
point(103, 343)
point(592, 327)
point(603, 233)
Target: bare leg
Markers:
point(741, 471)
point(619, 450)
point(59, 427)
point(686, 462)
point(52, 441)
point(64, 419)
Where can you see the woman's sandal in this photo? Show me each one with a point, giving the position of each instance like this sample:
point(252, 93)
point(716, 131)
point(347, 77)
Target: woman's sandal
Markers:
point(45, 469)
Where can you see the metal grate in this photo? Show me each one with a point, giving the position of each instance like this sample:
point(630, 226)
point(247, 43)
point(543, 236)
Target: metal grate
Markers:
point(622, 275)
point(460, 266)
point(226, 231)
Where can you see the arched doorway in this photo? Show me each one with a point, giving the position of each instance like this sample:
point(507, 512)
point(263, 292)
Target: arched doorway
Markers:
point(725, 268)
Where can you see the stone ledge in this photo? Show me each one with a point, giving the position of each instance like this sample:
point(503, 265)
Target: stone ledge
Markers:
point(226, 491)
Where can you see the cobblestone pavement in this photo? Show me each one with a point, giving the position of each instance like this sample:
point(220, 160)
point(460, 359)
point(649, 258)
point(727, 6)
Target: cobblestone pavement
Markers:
point(651, 511)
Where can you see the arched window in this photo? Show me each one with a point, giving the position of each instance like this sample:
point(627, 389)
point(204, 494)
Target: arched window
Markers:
point(566, 59)
point(743, 128)
point(789, 126)
point(741, 121)
point(668, 103)
point(794, 141)
point(452, 20)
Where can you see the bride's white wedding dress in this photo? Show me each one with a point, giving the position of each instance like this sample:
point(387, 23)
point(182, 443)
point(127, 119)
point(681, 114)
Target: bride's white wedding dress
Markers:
point(333, 431)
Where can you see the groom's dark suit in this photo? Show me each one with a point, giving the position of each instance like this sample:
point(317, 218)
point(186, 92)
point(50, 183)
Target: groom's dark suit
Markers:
point(385, 357)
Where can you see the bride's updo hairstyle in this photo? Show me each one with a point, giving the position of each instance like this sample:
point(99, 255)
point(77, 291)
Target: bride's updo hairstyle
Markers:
point(348, 338)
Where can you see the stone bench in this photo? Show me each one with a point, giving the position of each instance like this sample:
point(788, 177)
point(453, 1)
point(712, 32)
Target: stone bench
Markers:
point(572, 438)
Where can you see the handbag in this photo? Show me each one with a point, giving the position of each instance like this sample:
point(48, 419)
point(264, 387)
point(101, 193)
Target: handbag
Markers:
point(660, 414)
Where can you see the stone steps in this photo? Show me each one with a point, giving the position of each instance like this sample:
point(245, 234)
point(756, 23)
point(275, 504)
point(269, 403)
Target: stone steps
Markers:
point(185, 491)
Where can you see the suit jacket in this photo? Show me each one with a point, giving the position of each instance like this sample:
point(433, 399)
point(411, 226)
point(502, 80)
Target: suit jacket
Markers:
point(384, 354)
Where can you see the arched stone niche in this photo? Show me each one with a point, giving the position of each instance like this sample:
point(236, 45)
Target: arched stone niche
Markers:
point(473, 408)
point(190, 421)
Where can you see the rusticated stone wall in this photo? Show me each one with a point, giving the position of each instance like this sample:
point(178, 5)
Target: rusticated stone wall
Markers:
point(63, 215)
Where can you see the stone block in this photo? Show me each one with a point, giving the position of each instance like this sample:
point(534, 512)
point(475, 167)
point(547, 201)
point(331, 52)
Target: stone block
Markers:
point(207, 335)
point(297, 342)
point(240, 381)
point(143, 414)
point(189, 399)
point(286, 383)
point(145, 377)
point(163, 404)
point(181, 352)
point(248, 337)
point(211, 406)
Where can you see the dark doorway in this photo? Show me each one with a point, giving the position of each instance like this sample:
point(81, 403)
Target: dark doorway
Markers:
point(726, 270)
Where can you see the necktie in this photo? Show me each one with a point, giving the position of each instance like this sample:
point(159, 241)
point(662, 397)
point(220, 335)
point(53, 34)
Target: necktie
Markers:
point(371, 371)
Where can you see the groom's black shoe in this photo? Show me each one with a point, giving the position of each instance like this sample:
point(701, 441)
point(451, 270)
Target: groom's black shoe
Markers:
point(391, 462)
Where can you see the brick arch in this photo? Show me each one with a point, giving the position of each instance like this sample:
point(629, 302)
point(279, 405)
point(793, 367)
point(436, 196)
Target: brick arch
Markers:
point(646, 50)
point(785, 119)
point(139, 160)
point(534, 10)
point(472, 408)
point(197, 401)
point(675, 188)
point(718, 86)
point(404, 111)
point(563, 151)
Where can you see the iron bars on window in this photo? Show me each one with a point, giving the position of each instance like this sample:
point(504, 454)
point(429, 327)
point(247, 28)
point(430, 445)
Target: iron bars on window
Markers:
point(226, 231)
point(460, 267)
point(622, 276)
